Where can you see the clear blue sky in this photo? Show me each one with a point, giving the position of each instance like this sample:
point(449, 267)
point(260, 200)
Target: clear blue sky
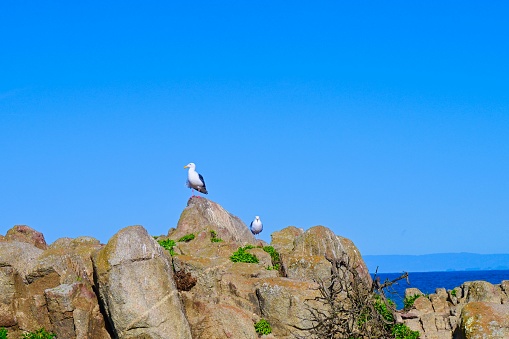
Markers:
point(387, 122)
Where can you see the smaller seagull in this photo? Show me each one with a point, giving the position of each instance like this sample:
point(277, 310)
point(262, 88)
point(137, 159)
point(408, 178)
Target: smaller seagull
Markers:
point(256, 226)
point(195, 180)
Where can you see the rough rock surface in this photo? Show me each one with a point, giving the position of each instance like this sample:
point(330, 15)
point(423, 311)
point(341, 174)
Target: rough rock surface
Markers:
point(202, 215)
point(485, 320)
point(135, 280)
point(74, 312)
point(26, 234)
point(321, 242)
point(283, 304)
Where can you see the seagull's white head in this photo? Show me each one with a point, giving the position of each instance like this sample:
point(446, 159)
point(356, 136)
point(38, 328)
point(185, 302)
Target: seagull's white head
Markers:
point(191, 165)
point(257, 218)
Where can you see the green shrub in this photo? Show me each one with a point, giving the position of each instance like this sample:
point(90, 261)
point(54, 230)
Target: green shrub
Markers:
point(213, 237)
point(39, 334)
point(263, 327)
point(168, 245)
point(242, 256)
point(383, 310)
point(3, 333)
point(453, 292)
point(187, 238)
point(274, 256)
point(402, 331)
point(408, 302)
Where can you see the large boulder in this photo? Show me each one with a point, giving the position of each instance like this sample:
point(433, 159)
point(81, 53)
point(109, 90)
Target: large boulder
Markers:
point(74, 312)
point(201, 216)
point(317, 254)
point(320, 240)
point(481, 320)
point(21, 256)
point(285, 304)
point(35, 292)
point(24, 233)
point(136, 286)
point(284, 241)
point(71, 259)
point(23, 280)
point(482, 291)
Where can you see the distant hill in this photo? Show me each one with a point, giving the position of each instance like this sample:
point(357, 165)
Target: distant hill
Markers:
point(436, 262)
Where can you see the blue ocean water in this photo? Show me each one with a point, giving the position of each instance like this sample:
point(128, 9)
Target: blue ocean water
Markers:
point(428, 282)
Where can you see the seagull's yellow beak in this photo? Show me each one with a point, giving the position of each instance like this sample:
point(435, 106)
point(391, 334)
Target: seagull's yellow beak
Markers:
point(185, 166)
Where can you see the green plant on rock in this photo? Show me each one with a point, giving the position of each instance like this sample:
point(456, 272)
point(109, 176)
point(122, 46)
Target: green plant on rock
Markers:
point(263, 327)
point(242, 256)
point(385, 309)
point(187, 237)
point(274, 256)
point(39, 334)
point(168, 245)
point(453, 292)
point(408, 302)
point(213, 237)
point(402, 331)
point(3, 333)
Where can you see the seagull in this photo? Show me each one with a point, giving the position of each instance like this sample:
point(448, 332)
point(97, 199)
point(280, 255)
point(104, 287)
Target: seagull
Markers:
point(256, 226)
point(195, 180)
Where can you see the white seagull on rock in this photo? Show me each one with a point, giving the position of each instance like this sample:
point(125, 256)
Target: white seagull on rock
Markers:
point(256, 226)
point(195, 180)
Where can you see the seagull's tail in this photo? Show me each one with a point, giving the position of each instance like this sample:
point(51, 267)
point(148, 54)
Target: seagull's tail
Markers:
point(203, 190)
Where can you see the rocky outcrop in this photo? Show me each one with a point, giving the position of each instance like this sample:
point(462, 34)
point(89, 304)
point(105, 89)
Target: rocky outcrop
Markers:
point(202, 216)
point(316, 253)
point(51, 289)
point(133, 288)
point(135, 282)
point(249, 292)
point(475, 310)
